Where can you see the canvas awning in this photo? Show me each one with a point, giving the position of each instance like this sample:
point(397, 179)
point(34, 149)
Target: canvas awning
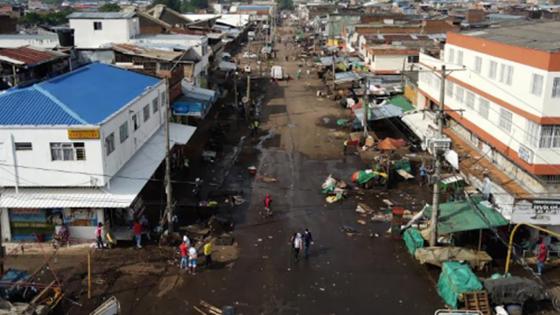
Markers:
point(343, 77)
point(460, 216)
point(124, 186)
point(227, 66)
point(379, 112)
point(401, 102)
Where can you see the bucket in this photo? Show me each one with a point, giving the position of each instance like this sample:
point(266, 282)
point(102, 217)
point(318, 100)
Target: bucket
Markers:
point(252, 170)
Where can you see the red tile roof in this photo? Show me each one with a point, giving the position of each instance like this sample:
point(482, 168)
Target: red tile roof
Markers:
point(28, 55)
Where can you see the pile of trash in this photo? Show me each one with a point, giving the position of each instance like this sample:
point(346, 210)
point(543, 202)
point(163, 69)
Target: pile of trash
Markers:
point(334, 189)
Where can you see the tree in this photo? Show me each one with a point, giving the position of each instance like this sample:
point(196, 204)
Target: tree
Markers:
point(50, 18)
point(285, 4)
point(109, 7)
point(172, 4)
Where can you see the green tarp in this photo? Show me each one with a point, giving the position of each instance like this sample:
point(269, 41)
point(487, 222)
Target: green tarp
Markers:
point(455, 279)
point(403, 164)
point(413, 240)
point(458, 216)
point(401, 102)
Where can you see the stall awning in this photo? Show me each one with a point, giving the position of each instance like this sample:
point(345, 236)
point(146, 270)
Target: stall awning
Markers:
point(379, 112)
point(343, 77)
point(401, 102)
point(459, 216)
point(227, 66)
point(123, 189)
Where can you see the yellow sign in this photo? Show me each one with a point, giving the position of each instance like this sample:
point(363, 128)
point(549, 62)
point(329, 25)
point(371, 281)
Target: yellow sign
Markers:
point(74, 134)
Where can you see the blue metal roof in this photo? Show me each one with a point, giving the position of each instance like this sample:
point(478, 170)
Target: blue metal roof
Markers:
point(88, 95)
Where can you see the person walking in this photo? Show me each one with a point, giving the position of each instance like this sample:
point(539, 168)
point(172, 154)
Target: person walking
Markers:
point(193, 256)
point(542, 254)
point(297, 245)
point(423, 172)
point(183, 249)
point(99, 235)
point(137, 230)
point(207, 249)
point(307, 242)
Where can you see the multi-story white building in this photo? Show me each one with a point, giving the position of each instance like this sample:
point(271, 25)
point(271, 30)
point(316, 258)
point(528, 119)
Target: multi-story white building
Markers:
point(94, 30)
point(78, 146)
point(506, 84)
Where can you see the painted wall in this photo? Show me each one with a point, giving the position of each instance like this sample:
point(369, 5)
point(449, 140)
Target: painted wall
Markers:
point(113, 31)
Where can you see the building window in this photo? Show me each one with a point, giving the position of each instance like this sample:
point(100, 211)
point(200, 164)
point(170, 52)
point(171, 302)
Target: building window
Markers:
point(155, 105)
point(135, 122)
point(23, 146)
point(123, 132)
point(97, 26)
point(483, 107)
point(551, 179)
point(536, 84)
point(451, 56)
point(478, 64)
point(556, 87)
point(492, 70)
point(412, 59)
point(68, 151)
point(460, 57)
point(163, 99)
point(506, 74)
point(460, 94)
point(532, 134)
point(146, 113)
point(505, 120)
point(470, 100)
point(449, 89)
point(110, 143)
point(550, 137)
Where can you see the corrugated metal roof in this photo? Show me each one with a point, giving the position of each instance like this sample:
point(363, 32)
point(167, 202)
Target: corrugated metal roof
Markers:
point(124, 188)
point(28, 55)
point(148, 52)
point(102, 15)
point(31, 107)
point(88, 95)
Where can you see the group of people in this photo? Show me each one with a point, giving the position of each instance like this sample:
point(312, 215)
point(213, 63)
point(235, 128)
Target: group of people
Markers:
point(189, 255)
point(104, 240)
point(301, 241)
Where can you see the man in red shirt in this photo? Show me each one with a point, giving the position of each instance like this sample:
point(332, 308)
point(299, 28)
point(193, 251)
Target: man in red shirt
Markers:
point(137, 229)
point(542, 254)
point(183, 248)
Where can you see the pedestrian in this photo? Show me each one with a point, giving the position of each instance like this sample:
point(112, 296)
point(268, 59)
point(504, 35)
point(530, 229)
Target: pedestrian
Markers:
point(137, 230)
point(423, 172)
point(307, 242)
point(345, 147)
point(297, 244)
point(208, 253)
point(542, 254)
point(193, 256)
point(99, 235)
point(145, 226)
point(183, 249)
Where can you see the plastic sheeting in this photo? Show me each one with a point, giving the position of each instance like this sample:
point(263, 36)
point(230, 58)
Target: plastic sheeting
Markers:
point(454, 280)
point(513, 290)
point(413, 240)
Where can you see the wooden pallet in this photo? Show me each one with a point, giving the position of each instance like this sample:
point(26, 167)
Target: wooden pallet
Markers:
point(478, 301)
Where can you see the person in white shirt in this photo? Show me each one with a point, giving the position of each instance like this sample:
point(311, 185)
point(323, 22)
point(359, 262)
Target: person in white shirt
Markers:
point(297, 244)
point(193, 255)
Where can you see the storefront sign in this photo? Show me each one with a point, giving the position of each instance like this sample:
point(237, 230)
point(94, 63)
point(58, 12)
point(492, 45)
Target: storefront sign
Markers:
point(78, 134)
point(537, 211)
point(525, 154)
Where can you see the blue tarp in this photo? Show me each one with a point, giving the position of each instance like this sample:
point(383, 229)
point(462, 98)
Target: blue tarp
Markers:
point(196, 101)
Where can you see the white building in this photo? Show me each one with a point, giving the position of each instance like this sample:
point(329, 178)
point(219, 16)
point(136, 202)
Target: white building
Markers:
point(507, 84)
point(99, 29)
point(45, 41)
point(77, 147)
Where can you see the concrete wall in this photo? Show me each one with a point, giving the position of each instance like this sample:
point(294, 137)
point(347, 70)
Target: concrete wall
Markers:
point(113, 31)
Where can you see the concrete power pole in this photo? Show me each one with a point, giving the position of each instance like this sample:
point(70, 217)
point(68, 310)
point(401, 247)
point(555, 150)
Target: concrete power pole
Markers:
point(437, 158)
point(365, 107)
point(168, 189)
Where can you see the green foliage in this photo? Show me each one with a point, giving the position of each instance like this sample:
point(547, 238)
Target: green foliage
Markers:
point(285, 4)
point(109, 7)
point(172, 4)
point(50, 18)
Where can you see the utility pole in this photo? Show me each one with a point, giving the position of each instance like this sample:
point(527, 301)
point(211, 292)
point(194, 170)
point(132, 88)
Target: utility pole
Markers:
point(235, 74)
point(365, 107)
point(437, 157)
point(168, 189)
point(1, 247)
